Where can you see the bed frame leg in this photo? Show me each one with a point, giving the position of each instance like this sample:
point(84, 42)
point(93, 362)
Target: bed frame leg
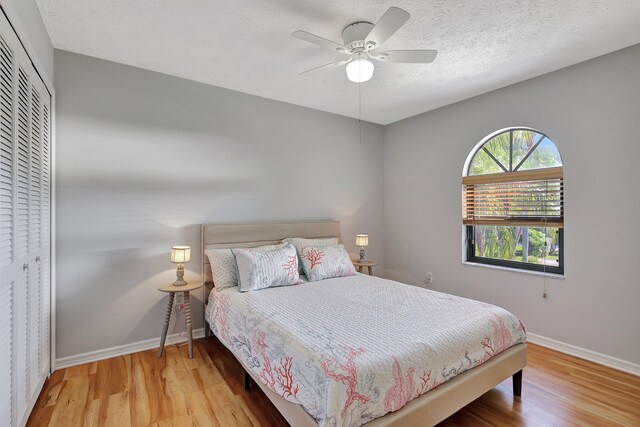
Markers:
point(247, 381)
point(517, 384)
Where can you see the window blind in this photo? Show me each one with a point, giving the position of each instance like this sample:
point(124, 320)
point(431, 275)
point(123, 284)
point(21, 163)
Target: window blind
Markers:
point(523, 198)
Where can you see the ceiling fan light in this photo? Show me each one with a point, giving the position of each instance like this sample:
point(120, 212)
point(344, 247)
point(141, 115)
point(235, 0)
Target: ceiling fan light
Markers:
point(359, 70)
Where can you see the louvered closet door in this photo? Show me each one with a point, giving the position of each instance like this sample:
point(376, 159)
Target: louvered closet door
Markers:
point(35, 217)
point(25, 229)
point(7, 220)
point(21, 246)
point(45, 238)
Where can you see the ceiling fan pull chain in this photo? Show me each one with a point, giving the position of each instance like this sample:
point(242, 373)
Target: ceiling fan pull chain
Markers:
point(360, 111)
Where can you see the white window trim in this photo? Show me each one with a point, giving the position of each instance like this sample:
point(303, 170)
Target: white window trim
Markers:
point(516, 270)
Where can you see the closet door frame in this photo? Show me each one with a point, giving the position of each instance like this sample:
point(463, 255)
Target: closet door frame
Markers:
point(8, 10)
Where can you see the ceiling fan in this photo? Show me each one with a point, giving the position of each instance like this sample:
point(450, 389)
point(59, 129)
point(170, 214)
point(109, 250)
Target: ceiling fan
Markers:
point(362, 41)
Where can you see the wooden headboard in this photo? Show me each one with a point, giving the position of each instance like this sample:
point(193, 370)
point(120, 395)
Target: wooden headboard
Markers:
point(222, 236)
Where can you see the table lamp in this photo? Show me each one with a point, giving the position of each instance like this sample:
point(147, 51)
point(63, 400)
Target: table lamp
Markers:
point(362, 240)
point(180, 255)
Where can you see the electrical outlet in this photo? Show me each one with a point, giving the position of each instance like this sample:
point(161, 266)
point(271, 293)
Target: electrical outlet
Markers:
point(429, 279)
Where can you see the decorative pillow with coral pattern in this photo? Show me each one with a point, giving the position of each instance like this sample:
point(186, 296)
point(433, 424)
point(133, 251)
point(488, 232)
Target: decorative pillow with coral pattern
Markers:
point(267, 269)
point(325, 262)
point(298, 242)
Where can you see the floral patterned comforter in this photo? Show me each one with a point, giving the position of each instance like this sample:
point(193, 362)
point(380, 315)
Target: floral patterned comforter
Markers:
point(352, 349)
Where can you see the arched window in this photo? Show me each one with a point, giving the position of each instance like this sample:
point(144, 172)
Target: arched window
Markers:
point(513, 201)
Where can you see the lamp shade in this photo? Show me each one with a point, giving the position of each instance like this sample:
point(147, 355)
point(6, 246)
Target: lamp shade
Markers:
point(362, 240)
point(180, 254)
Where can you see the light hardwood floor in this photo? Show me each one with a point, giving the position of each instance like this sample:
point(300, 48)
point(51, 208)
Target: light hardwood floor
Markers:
point(141, 389)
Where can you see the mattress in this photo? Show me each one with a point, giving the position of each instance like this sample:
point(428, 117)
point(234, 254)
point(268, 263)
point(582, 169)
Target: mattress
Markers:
point(352, 349)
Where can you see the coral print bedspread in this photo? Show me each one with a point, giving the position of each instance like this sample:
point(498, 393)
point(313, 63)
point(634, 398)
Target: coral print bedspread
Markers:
point(352, 349)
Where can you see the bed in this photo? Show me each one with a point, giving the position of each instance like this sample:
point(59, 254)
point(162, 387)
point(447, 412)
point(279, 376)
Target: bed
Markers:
point(359, 350)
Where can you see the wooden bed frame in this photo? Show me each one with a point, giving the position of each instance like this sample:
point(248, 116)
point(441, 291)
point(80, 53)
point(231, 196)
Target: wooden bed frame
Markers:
point(428, 409)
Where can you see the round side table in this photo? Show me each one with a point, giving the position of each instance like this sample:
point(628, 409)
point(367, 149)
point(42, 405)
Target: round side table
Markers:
point(369, 264)
point(171, 290)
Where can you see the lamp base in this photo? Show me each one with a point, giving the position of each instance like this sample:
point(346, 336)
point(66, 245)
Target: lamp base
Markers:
point(361, 255)
point(180, 273)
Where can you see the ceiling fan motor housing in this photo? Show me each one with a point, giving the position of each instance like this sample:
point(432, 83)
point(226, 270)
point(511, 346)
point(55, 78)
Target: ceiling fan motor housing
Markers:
point(354, 35)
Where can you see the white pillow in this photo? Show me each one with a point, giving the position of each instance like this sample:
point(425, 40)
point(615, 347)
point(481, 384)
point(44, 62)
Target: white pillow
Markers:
point(224, 270)
point(267, 269)
point(324, 262)
point(299, 242)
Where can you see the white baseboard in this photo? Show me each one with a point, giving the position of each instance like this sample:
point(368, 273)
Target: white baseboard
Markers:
point(583, 353)
point(107, 353)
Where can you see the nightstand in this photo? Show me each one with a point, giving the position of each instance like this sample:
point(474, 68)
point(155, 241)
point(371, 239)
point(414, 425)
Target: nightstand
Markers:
point(171, 290)
point(369, 264)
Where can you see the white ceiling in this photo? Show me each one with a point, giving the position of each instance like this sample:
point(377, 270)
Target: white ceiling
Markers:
point(246, 45)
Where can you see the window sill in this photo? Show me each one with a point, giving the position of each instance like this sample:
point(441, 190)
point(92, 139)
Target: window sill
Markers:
point(516, 270)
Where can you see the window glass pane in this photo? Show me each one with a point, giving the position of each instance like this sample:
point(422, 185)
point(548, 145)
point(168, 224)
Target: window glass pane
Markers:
point(482, 164)
point(545, 156)
point(499, 147)
point(523, 140)
point(533, 245)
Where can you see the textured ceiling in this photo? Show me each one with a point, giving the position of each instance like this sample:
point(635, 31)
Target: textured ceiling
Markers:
point(246, 45)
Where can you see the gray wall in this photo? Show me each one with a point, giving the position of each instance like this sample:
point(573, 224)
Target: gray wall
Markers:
point(143, 159)
point(30, 19)
point(591, 111)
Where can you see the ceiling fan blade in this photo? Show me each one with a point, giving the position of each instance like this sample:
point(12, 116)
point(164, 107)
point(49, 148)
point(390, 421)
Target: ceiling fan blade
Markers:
point(319, 41)
point(321, 67)
point(411, 56)
point(391, 21)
